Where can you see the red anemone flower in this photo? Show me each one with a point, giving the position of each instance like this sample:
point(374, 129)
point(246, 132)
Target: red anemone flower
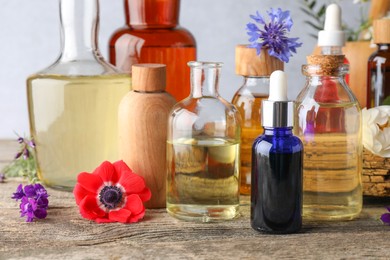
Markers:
point(112, 193)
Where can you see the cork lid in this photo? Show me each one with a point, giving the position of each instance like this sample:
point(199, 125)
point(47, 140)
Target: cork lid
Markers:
point(149, 77)
point(248, 63)
point(327, 64)
point(382, 30)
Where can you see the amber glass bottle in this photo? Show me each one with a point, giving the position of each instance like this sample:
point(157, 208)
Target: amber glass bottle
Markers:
point(378, 75)
point(256, 70)
point(152, 35)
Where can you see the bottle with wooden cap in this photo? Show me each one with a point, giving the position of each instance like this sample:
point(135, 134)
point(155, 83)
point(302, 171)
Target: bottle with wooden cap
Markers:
point(378, 74)
point(256, 71)
point(143, 117)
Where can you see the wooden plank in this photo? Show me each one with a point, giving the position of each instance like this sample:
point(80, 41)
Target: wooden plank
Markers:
point(66, 235)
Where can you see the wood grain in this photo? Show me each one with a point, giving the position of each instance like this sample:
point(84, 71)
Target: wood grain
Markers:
point(66, 235)
point(143, 123)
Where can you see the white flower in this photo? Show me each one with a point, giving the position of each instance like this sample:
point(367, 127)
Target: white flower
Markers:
point(376, 130)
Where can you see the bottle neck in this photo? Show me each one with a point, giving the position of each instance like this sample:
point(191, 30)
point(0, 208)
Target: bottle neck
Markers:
point(383, 47)
point(278, 131)
point(79, 26)
point(253, 81)
point(204, 79)
point(152, 13)
point(331, 50)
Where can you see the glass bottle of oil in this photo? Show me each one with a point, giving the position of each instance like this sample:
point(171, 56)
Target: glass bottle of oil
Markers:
point(152, 35)
point(73, 103)
point(203, 148)
point(256, 70)
point(328, 121)
point(378, 74)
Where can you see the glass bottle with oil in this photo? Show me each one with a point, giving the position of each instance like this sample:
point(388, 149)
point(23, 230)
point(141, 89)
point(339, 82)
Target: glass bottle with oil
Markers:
point(203, 148)
point(152, 34)
point(328, 121)
point(73, 103)
point(256, 70)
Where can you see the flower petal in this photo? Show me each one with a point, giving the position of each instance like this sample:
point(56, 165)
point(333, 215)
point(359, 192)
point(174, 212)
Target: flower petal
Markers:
point(107, 172)
point(40, 213)
point(134, 204)
point(131, 182)
point(119, 215)
point(386, 218)
point(89, 208)
point(80, 193)
point(136, 218)
point(103, 220)
point(145, 195)
point(90, 182)
point(121, 166)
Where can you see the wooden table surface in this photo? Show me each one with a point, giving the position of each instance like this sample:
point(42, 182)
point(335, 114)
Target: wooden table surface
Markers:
point(66, 235)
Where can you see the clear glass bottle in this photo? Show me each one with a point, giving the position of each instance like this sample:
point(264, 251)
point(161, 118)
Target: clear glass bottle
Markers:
point(203, 151)
point(73, 104)
point(378, 74)
point(276, 195)
point(153, 35)
point(256, 70)
point(328, 121)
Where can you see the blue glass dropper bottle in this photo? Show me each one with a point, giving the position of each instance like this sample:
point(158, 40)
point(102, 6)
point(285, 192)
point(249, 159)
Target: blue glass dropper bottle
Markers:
point(277, 161)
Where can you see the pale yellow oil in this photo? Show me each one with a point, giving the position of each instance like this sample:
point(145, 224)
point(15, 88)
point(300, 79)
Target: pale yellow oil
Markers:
point(249, 107)
point(203, 179)
point(73, 121)
point(332, 188)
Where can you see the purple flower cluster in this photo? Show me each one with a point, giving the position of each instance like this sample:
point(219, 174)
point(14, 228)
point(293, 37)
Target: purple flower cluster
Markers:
point(274, 34)
point(34, 202)
point(25, 147)
point(386, 216)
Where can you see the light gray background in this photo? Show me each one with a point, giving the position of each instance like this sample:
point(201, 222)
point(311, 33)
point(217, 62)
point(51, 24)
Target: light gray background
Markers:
point(29, 41)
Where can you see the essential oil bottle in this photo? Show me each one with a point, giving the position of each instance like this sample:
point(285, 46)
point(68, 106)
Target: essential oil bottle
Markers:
point(277, 165)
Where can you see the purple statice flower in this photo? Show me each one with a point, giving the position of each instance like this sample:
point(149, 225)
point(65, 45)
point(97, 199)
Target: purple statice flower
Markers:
point(273, 35)
point(386, 216)
point(25, 145)
point(34, 201)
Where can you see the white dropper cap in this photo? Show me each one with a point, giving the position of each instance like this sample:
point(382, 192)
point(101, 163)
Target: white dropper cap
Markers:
point(332, 35)
point(277, 111)
point(278, 86)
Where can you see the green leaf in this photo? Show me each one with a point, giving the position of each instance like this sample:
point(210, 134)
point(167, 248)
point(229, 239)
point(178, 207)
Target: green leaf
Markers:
point(317, 27)
point(386, 101)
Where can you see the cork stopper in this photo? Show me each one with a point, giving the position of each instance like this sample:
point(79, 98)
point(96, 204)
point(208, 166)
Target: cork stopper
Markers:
point(149, 77)
point(248, 63)
point(382, 30)
point(328, 65)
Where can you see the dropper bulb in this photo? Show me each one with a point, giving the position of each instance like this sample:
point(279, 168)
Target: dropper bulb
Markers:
point(333, 18)
point(278, 86)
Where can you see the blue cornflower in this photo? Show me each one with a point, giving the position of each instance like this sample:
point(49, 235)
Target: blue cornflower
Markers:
point(34, 201)
point(273, 36)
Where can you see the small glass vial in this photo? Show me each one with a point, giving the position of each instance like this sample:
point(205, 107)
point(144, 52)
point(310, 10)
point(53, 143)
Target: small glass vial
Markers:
point(73, 103)
point(203, 151)
point(378, 74)
point(276, 200)
point(256, 70)
point(328, 121)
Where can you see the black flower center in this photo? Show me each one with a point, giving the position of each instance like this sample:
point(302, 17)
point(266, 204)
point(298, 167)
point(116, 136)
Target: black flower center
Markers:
point(110, 196)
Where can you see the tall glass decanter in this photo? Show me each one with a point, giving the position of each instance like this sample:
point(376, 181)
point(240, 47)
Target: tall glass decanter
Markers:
point(203, 151)
point(73, 103)
point(328, 121)
point(152, 35)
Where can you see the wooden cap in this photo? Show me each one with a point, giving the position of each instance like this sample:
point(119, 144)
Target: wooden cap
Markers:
point(149, 77)
point(382, 30)
point(248, 63)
